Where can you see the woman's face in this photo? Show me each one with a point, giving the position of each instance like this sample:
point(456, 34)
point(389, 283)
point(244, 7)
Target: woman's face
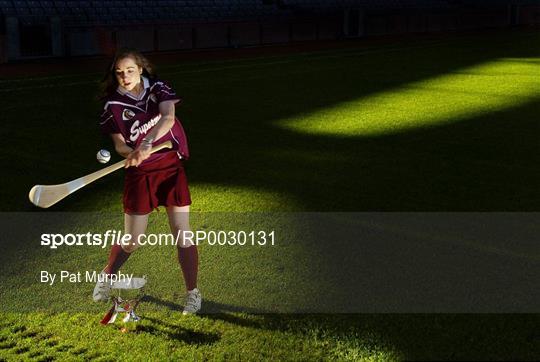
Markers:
point(128, 73)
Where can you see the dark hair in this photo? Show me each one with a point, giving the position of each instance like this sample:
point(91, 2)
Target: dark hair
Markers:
point(109, 83)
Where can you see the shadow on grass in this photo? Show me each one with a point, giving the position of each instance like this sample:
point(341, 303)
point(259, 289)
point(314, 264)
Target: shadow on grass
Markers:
point(176, 332)
point(415, 336)
point(35, 343)
point(212, 310)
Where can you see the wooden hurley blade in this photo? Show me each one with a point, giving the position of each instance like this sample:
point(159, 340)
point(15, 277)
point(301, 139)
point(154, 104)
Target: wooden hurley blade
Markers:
point(34, 194)
point(47, 195)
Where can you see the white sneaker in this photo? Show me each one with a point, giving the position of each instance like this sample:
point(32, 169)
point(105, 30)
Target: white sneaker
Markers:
point(193, 302)
point(102, 289)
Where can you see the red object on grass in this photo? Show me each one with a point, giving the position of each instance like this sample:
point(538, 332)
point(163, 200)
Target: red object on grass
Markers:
point(108, 316)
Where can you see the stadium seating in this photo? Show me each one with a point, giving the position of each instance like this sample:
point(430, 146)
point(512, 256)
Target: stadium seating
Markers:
point(107, 11)
point(126, 12)
point(85, 12)
point(200, 23)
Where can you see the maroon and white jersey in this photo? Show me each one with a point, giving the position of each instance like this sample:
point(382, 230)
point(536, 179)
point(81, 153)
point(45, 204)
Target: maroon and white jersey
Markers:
point(134, 117)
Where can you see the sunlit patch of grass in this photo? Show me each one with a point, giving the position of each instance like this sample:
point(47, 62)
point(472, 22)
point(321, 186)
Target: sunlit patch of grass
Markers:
point(232, 198)
point(477, 90)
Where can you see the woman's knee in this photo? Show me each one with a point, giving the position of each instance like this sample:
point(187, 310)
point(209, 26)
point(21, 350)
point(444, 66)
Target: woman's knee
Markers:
point(178, 218)
point(132, 245)
point(135, 226)
point(185, 241)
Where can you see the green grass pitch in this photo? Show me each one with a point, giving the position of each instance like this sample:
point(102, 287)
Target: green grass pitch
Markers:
point(440, 124)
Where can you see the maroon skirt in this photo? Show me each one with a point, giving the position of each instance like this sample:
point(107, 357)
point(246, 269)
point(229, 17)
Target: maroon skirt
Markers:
point(160, 183)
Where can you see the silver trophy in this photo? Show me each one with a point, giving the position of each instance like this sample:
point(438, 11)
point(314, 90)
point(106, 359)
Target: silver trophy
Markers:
point(126, 299)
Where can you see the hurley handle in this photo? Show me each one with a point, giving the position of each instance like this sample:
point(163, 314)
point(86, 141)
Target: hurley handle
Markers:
point(167, 144)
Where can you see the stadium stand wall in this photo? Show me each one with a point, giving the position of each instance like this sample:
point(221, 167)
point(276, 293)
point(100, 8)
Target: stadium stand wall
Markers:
point(71, 28)
point(244, 34)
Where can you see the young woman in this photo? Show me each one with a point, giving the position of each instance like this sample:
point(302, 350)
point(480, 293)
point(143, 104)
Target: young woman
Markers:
point(139, 112)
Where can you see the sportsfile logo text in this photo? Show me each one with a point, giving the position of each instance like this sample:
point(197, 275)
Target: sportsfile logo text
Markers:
point(212, 238)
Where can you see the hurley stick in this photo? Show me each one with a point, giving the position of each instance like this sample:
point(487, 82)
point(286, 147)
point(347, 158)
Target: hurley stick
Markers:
point(47, 195)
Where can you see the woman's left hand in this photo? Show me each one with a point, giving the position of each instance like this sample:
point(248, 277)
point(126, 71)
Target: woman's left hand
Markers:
point(140, 154)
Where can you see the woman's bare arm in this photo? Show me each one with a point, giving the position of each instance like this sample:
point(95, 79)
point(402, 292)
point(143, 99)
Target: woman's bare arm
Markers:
point(120, 145)
point(165, 123)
